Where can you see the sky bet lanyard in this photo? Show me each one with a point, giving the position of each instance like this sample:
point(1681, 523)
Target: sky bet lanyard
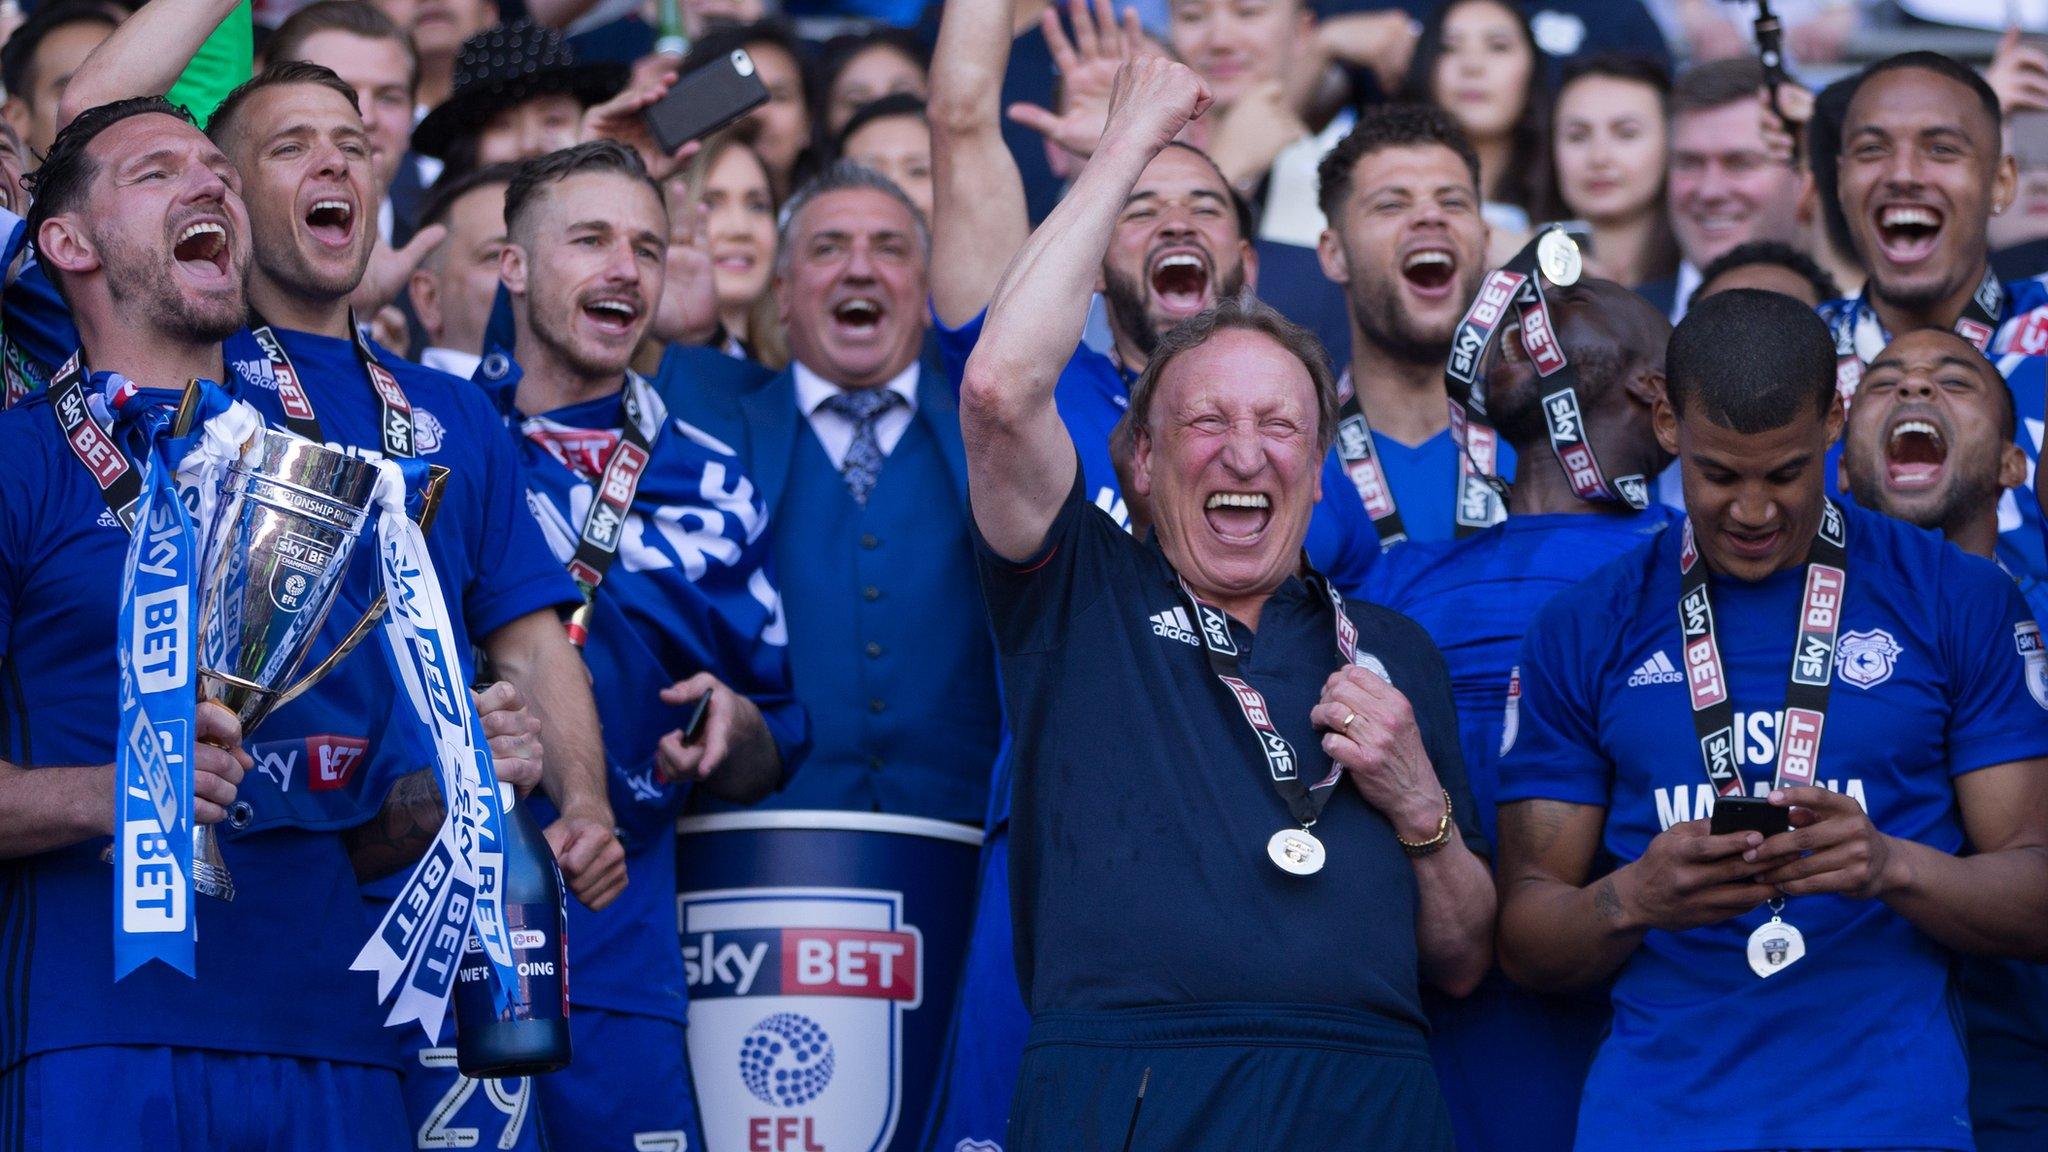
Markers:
point(1551, 256)
point(93, 443)
point(583, 452)
point(394, 413)
point(1860, 340)
point(1293, 850)
point(1776, 944)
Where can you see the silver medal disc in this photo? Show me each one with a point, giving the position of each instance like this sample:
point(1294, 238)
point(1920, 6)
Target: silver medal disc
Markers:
point(1774, 947)
point(1296, 850)
point(1558, 255)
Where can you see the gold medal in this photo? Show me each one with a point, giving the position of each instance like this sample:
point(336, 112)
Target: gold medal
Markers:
point(1558, 255)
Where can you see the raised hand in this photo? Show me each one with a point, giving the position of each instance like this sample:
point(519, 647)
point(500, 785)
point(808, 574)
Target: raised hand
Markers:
point(1088, 65)
point(2019, 74)
point(1152, 100)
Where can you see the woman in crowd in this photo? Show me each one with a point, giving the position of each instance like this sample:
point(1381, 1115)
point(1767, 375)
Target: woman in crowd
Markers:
point(730, 180)
point(857, 70)
point(1609, 146)
point(1477, 60)
point(892, 136)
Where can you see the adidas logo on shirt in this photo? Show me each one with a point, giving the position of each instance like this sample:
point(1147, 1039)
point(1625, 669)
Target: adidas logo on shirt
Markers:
point(1657, 669)
point(1175, 625)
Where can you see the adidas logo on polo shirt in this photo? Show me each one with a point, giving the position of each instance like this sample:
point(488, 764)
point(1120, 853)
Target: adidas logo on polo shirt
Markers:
point(1657, 669)
point(1175, 625)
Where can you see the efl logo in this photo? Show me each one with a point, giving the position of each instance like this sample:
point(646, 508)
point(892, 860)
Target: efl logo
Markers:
point(797, 998)
point(525, 938)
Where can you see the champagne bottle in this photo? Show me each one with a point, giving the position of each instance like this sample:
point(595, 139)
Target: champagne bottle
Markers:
point(532, 1036)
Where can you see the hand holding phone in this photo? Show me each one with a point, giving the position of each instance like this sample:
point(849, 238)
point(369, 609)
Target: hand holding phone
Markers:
point(1749, 814)
point(706, 99)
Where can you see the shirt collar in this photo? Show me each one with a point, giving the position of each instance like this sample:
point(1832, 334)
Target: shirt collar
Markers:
point(813, 389)
point(453, 361)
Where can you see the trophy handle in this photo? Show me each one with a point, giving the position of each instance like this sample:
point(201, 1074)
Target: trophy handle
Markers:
point(430, 503)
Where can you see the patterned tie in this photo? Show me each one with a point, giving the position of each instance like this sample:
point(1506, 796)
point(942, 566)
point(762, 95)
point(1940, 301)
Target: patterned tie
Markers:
point(864, 457)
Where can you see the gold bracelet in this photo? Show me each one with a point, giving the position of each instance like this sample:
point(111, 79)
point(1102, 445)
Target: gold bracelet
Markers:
point(1434, 843)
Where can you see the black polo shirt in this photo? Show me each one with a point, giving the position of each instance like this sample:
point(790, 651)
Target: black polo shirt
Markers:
point(1142, 804)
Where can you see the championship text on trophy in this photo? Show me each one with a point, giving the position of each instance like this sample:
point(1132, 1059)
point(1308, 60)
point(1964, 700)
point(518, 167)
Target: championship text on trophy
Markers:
point(273, 558)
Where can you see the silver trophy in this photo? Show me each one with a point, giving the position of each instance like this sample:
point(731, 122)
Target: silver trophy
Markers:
point(285, 523)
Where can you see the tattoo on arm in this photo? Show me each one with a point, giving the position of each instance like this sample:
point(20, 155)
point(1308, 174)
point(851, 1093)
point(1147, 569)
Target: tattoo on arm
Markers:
point(1607, 901)
point(400, 832)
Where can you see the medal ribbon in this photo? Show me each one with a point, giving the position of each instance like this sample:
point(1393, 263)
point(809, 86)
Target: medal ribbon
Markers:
point(1304, 801)
point(610, 504)
point(458, 886)
point(1813, 661)
point(1861, 337)
point(394, 410)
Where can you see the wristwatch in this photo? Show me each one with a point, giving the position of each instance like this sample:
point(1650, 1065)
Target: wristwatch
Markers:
point(1434, 844)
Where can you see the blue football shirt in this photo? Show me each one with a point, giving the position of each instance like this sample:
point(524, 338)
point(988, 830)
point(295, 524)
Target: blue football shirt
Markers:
point(273, 964)
point(691, 590)
point(1933, 682)
point(1511, 1062)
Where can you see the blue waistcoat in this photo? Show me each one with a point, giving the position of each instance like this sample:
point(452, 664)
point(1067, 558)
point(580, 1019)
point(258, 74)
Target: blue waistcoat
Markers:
point(889, 645)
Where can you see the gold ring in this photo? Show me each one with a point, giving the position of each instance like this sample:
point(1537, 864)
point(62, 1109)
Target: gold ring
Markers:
point(1349, 716)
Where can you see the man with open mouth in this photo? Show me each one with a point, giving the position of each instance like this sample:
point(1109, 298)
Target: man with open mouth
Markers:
point(1407, 242)
point(1182, 243)
point(1922, 171)
point(1213, 747)
point(856, 447)
point(1896, 681)
point(678, 609)
point(1930, 441)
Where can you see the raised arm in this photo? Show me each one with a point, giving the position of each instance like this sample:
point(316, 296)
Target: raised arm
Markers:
point(1020, 461)
point(144, 56)
point(978, 215)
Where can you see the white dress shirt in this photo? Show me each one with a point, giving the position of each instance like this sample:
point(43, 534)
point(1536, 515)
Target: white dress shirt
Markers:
point(452, 361)
point(835, 430)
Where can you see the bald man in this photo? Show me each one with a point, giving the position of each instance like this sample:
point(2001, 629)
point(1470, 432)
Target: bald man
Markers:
point(1511, 1062)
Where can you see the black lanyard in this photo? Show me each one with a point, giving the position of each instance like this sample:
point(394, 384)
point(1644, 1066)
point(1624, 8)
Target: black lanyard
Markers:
point(1813, 661)
point(94, 443)
point(394, 411)
point(1304, 801)
point(1478, 456)
point(598, 545)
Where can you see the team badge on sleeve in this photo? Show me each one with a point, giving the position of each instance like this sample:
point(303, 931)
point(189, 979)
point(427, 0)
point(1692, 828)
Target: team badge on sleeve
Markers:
point(2026, 636)
point(1511, 716)
point(1867, 658)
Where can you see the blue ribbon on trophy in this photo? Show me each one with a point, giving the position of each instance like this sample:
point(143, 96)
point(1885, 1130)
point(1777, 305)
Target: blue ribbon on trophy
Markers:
point(458, 887)
point(157, 645)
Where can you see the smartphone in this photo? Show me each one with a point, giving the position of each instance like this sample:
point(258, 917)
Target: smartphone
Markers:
point(1749, 814)
point(693, 726)
point(705, 100)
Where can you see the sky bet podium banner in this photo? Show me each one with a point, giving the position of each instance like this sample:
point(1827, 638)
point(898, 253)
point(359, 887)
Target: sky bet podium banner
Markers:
point(822, 950)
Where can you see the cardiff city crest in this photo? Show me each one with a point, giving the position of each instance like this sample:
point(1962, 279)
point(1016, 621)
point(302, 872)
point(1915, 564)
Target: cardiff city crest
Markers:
point(1866, 658)
point(797, 998)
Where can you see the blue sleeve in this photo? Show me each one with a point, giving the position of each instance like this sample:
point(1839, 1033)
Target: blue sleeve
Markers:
point(956, 345)
point(515, 573)
point(1998, 669)
point(1342, 543)
point(36, 318)
point(1556, 754)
